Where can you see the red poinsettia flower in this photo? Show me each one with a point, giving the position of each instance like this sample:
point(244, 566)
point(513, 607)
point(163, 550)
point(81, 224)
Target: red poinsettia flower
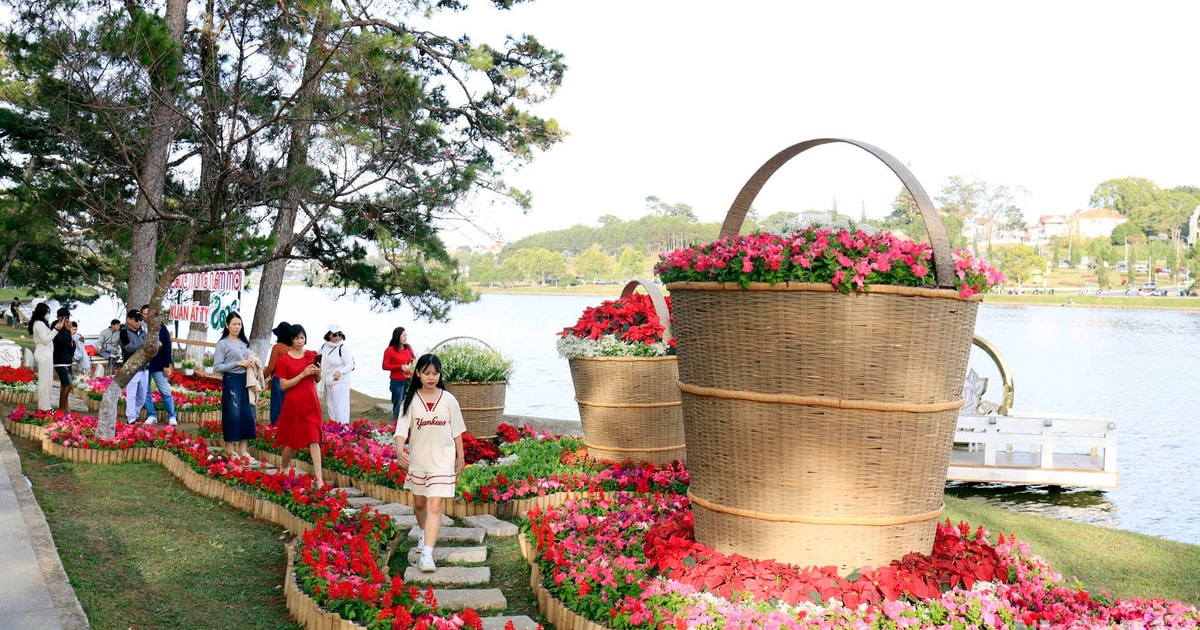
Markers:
point(631, 319)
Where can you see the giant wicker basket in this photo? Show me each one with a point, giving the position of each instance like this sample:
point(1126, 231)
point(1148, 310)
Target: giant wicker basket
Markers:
point(629, 406)
point(818, 424)
point(482, 404)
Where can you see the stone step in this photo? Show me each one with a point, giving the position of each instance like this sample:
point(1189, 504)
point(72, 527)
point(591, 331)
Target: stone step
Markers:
point(452, 555)
point(449, 576)
point(350, 492)
point(453, 534)
point(395, 509)
point(480, 599)
point(492, 525)
point(357, 502)
point(498, 623)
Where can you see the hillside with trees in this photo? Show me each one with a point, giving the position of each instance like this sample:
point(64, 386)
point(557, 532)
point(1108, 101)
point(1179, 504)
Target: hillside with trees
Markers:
point(614, 250)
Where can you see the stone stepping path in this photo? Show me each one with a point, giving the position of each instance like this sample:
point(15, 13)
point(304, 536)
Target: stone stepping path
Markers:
point(462, 582)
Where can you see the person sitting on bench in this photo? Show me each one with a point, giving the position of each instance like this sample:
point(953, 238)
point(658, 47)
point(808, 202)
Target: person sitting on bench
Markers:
point(109, 344)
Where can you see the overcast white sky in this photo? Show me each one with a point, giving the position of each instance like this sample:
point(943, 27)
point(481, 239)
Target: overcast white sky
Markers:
point(685, 99)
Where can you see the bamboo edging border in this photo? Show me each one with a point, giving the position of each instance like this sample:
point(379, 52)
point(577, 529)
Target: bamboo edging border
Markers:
point(18, 398)
point(24, 429)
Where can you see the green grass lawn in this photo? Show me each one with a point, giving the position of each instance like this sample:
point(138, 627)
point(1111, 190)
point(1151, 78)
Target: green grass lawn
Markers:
point(143, 551)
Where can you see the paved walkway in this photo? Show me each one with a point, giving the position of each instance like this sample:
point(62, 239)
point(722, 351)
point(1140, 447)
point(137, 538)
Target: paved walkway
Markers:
point(36, 594)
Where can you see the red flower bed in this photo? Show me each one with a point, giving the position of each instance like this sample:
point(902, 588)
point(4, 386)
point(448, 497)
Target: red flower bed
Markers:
point(960, 558)
point(194, 383)
point(19, 374)
point(477, 450)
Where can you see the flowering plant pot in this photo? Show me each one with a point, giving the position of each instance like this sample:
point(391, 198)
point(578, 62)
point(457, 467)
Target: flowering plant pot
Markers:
point(477, 374)
point(831, 447)
point(628, 326)
point(623, 366)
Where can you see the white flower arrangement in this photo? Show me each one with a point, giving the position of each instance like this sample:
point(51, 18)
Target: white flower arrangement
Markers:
point(571, 347)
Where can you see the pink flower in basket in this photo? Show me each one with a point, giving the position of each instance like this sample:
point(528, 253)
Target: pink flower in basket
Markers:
point(848, 260)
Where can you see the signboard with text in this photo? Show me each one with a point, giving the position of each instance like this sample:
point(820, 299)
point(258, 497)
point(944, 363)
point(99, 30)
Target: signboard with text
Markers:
point(231, 280)
point(223, 300)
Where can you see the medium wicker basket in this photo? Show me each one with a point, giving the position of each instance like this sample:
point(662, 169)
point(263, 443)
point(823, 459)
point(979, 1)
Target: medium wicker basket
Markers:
point(823, 436)
point(629, 406)
point(482, 404)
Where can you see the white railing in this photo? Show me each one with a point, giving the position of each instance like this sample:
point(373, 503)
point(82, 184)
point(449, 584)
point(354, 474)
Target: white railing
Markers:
point(1045, 435)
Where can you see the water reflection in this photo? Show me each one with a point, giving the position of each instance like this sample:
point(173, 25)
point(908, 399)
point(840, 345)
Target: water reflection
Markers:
point(1075, 504)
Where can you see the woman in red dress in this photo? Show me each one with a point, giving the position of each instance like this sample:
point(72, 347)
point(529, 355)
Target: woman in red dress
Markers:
point(300, 419)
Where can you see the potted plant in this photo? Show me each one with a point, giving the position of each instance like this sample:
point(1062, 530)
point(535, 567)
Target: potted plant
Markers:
point(177, 359)
point(477, 374)
point(821, 379)
point(189, 367)
point(623, 365)
point(208, 362)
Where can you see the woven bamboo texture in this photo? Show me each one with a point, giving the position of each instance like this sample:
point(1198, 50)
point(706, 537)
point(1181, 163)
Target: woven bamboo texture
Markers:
point(482, 406)
point(822, 433)
point(629, 408)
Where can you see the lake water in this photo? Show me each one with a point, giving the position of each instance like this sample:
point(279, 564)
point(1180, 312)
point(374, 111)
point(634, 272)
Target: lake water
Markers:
point(1135, 367)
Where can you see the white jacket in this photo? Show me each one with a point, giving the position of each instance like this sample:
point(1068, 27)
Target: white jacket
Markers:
point(335, 357)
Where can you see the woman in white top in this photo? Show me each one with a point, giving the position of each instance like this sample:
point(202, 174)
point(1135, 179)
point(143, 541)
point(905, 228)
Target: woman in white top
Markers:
point(43, 353)
point(337, 363)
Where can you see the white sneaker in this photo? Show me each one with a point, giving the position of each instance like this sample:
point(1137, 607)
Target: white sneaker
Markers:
point(254, 463)
point(427, 565)
point(172, 421)
point(152, 420)
point(421, 540)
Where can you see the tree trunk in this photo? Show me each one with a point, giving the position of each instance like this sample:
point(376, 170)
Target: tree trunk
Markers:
point(8, 262)
point(145, 286)
point(298, 184)
point(143, 259)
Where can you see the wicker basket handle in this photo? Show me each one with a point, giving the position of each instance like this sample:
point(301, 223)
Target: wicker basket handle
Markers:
point(449, 339)
point(656, 298)
point(943, 264)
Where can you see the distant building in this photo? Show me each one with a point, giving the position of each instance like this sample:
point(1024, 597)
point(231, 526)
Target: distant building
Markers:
point(1094, 222)
point(1049, 225)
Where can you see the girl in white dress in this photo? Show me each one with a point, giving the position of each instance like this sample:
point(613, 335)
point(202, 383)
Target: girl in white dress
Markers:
point(432, 423)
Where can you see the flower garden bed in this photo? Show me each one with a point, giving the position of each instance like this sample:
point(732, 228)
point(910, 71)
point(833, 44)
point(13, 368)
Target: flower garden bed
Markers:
point(197, 398)
point(18, 385)
point(609, 548)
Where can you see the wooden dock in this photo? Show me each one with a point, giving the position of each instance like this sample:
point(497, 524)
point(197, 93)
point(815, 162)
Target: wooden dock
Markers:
point(1044, 449)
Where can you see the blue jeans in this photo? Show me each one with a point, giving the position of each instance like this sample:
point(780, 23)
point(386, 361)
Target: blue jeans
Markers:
point(164, 389)
point(397, 389)
point(276, 399)
point(137, 389)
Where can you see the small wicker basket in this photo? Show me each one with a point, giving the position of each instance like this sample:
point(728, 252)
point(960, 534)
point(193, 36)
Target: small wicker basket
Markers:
point(482, 404)
point(629, 406)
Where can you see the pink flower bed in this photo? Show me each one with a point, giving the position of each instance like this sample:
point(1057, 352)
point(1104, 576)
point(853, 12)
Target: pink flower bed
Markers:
point(630, 562)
